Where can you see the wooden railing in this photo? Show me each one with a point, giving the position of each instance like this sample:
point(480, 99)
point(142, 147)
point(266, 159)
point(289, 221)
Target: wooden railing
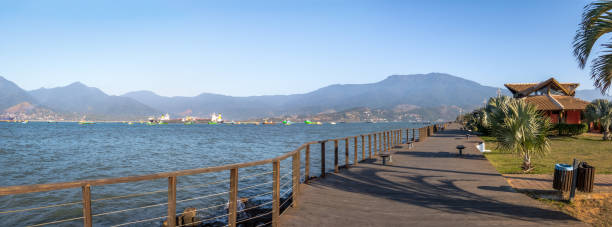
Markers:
point(377, 143)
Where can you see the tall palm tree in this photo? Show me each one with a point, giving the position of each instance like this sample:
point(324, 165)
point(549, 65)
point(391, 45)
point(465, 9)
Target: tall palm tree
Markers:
point(520, 128)
point(600, 111)
point(596, 21)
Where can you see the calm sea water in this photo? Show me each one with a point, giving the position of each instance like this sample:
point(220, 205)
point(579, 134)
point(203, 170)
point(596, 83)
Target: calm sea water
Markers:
point(37, 153)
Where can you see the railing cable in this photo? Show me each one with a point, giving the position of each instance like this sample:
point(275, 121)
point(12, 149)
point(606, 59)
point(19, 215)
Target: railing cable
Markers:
point(140, 221)
point(38, 208)
point(58, 221)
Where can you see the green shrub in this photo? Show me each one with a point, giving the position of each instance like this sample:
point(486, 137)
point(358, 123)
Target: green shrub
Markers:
point(570, 129)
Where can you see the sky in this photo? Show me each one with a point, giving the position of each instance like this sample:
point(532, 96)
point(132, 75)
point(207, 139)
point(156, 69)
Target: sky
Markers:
point(245, 48)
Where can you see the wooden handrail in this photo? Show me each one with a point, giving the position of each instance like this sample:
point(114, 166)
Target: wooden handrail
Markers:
point(384, 139)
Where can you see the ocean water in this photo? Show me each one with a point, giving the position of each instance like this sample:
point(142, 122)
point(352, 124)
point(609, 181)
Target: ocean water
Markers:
point(38, 153)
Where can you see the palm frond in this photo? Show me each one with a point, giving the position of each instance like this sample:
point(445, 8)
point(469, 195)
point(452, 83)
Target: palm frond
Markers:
point(596, 21)
point(601, 70)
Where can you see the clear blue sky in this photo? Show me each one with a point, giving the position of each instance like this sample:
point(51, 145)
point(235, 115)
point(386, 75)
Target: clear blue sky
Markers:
point(282, 47)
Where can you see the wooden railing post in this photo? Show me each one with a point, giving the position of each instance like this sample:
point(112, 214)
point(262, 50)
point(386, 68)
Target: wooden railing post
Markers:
point(380, 142)
point(172, 201)
point(399, 137)
point(276, 193)
point(296, 179)
point(322, 158)
point(307, 164)
point(413, 135)
point(407, 135)
point(375, 149)
point(355, 158)
point(336, 156)
point(362, 147)
point(370, 146)
point(233, 198)
point(346, 153)
point(387, 141)
point(86, 191)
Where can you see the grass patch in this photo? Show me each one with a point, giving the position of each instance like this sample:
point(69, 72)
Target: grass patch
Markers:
point(593, 209)
point(587, 147)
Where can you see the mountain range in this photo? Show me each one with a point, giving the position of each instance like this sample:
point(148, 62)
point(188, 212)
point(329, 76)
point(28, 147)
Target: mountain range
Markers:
point(433, 96)
point(421, 90)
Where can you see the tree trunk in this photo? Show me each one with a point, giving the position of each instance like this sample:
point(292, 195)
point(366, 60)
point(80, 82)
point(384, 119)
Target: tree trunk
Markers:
point(526, 162)
point(606, 134)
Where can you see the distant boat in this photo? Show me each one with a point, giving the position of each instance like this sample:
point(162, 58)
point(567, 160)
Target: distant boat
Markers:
point(215, 118)
point(285, 122)
point(318, 123)
point(25, 122)
point(332, 123)
point(51, 121)
point(162, 123)
point(130, 123)
point(83, 122)
point(307, 122)
point(266, 122)
point(188, 123)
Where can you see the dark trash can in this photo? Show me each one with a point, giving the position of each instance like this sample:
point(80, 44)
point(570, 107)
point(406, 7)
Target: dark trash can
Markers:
point(586, 177)
point(563, 176)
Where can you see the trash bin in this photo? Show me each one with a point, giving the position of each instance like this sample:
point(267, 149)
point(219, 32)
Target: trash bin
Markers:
point(586, 177)
point(562, 179)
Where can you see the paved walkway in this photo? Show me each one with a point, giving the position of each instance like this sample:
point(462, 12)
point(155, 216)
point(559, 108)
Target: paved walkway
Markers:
point(427, 185)
point(543, 182)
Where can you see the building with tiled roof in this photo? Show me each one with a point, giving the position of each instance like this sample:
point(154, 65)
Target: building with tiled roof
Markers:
point(555, 99)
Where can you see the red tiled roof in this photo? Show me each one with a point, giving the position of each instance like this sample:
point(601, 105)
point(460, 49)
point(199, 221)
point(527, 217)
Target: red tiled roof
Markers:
point(523, 87)
point(571, 103)
point(556, 102)
point(543, 102)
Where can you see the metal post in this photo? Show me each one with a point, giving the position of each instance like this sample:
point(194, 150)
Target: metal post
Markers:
point(86, 190)
point(574, 179)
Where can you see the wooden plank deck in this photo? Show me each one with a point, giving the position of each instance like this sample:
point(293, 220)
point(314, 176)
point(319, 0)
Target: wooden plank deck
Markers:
point(427, 185)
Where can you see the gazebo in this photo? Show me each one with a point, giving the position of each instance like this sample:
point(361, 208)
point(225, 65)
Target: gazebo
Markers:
point(555, 99)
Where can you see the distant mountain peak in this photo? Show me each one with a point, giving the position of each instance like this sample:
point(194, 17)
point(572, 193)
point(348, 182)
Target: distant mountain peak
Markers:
point(77, 84)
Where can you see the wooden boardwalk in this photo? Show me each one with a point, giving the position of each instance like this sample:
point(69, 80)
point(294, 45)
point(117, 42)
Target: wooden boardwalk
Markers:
point(427, 185)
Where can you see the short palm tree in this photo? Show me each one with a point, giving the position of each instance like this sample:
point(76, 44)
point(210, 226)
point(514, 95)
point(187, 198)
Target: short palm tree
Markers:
point(520, 128)
point(596, 22)
point(600, 112)
point(495, 102)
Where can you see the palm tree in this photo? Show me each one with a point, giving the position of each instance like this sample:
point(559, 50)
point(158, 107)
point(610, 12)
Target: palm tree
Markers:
point(600, 111)
point(596, 22)
point(520, 128)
